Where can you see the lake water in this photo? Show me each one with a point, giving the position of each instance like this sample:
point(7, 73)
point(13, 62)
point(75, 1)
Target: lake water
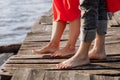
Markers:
point(17, 17)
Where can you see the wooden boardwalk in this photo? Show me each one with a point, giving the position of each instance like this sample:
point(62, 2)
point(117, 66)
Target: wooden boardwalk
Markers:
point(28, 66)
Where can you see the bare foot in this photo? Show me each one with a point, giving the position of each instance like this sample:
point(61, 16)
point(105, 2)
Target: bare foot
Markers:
point(65, 52)
point(73, 62)
point(97, 54)
point(47, 49)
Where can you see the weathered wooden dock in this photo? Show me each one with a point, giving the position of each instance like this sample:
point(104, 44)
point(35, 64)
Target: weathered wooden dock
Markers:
point(28, 66)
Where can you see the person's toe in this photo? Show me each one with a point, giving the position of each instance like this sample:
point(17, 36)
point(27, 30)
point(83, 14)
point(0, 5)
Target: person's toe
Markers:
point(34, 51)
point(58, 65)
point(56, 55)
point(66, 67)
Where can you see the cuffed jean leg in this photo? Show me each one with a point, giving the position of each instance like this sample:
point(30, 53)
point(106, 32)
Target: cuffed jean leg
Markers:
point(102, 18)
point(102, 27)
point(89, 19)
point(87, 35)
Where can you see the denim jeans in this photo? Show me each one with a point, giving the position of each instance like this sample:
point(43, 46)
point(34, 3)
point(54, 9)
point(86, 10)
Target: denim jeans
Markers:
point(93, 19)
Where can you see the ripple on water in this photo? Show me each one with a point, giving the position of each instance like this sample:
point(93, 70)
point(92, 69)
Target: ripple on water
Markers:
point(17, 16)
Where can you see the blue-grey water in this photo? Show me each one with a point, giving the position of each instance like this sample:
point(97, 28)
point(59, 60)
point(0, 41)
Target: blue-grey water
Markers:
point(17, 16)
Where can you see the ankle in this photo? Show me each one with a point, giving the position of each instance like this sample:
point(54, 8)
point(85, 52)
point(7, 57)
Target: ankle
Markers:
point(70, 46)
point(99, 49)
point(81, 55)
point(53, 44)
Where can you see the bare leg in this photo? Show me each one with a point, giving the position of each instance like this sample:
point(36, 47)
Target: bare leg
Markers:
point(98, 51)
point(74, 32)
point(79, 59)
point(53, 45)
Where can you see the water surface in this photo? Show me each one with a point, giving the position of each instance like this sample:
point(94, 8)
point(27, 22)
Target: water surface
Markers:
point(17, 16)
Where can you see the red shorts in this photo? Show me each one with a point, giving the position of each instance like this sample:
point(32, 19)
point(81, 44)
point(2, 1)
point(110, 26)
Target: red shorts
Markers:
point(66, 10)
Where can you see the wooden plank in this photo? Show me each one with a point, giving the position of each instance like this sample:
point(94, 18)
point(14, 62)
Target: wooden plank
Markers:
point(41, 28)
point(38, 66)
point(100, 77)
point(112, 20)
point(28, 56)
point(91, 66)
point(33, 44)
point(110, 57)
point(114, 56)
point(66, 75)
point(38, 38)
point(42, 38)
point(46, 20)
point(6, 72)
point(113, 49)
point(117, 17)
point(28, 45)
point(35, 61)
point(36, 74)
point(95, 72)
point(21, 74)
point(26, 52)
point(37, 57)
point(53, 61)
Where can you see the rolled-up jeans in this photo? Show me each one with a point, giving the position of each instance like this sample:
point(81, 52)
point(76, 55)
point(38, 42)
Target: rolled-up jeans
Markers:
point(93, 19)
